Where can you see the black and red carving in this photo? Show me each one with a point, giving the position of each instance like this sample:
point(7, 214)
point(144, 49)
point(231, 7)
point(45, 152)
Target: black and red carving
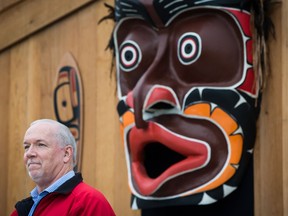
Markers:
point(188, 98)
point(68, 102)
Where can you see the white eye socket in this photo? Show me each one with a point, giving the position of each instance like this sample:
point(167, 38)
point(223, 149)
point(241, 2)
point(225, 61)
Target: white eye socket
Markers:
point(189, 48)
point(130, 55)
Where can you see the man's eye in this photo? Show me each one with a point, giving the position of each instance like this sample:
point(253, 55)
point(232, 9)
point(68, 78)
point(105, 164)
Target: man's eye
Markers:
point(26, 147)
point(41, 145)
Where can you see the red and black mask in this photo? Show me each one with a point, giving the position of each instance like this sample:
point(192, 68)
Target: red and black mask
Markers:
point(187, 98)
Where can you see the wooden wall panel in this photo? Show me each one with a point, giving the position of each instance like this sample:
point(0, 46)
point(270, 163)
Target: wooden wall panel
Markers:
point(269, 158)
point(30, 16)
point(34, 63)
point(283, 25)
point(4, 4)
point(4, 116)
point(18, 182)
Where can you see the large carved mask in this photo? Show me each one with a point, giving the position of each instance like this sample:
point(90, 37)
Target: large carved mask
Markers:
point(187, 98)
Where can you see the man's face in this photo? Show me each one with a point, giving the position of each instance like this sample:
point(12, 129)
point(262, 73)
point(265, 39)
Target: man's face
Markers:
point(43, 156)
point(186, 101)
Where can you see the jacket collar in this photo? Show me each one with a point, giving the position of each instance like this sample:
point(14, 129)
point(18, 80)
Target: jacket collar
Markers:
point(23, 207)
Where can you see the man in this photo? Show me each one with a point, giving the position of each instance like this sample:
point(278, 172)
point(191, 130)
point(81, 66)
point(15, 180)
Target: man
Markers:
point(49, 157)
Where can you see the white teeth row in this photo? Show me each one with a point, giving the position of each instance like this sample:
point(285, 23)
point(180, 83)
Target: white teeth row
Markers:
point(150, 113)
point(206, 199)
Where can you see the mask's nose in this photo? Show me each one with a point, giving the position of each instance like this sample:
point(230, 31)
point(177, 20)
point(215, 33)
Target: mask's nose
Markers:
point(160, 100)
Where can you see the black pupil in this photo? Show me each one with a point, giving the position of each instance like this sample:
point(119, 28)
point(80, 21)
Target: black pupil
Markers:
point(188, 48)
point(128, 55)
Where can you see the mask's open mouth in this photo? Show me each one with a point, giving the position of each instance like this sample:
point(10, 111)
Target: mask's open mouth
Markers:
point(158, 154)
point(158, 158)
point(180, 155)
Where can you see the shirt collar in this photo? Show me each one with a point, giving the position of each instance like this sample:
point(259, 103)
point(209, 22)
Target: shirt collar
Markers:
point(34, 193)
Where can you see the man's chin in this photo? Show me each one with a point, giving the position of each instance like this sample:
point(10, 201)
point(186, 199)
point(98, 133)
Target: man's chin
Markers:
point(34, 174)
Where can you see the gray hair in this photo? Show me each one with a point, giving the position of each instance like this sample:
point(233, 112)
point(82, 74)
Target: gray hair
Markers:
point(63, 135)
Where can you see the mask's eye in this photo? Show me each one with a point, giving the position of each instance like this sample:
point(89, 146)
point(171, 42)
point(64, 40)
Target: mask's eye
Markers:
point(189, 48)
point(130, 55)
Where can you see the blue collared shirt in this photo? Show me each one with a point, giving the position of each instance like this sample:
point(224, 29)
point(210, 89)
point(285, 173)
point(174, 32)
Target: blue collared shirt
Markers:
point(37, 197)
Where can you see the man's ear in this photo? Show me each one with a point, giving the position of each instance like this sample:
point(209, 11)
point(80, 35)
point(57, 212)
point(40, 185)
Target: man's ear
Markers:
point(68, 153)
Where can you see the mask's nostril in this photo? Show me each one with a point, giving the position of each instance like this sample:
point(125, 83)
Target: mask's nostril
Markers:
point(161, 105)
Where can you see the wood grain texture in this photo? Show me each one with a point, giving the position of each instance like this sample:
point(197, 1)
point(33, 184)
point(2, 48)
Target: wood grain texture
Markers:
point(269, 163)
point(4, 4)
point(29, 16)
point(18, 183)
point(283, 25)
point(32, 67)
point(4, 116)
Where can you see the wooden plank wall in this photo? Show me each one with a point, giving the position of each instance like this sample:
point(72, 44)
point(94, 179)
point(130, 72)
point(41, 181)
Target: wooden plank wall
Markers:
point(28, 72)
point(269, 158)
point(4, 4)
point(4, 116)
point(30, 16)
point(30, 53)
point(283, 67)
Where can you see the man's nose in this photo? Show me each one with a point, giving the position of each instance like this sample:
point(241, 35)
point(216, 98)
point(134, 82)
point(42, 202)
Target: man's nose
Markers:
point(30, 152)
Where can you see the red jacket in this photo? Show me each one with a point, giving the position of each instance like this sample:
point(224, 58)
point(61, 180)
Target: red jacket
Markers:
point(73, 198)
